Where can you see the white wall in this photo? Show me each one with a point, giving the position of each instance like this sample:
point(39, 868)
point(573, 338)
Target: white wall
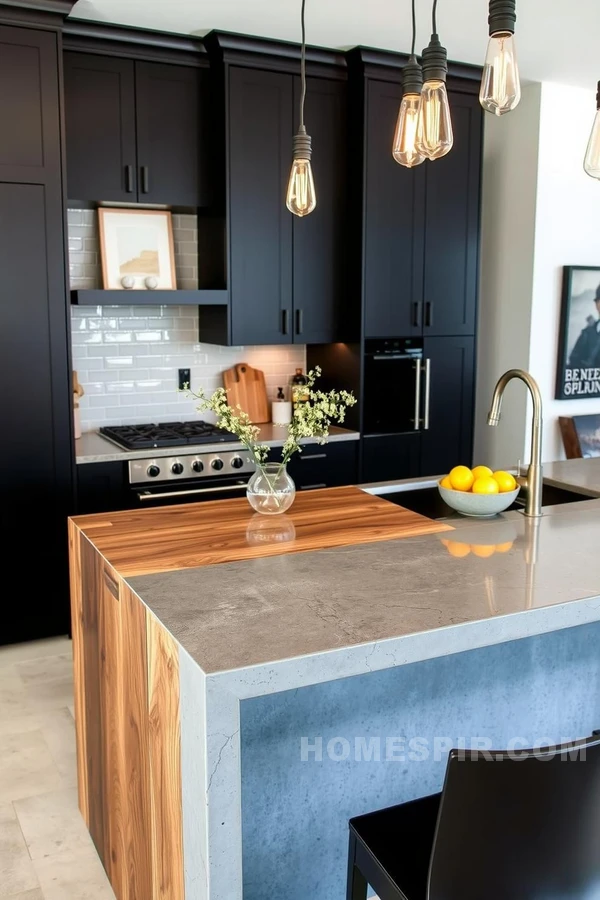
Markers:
point(540, 212)
point(509, 196)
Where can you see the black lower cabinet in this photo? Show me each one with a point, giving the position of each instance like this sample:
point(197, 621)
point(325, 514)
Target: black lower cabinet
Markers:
point(102, 487)
point(391, 456)
point(327, 465)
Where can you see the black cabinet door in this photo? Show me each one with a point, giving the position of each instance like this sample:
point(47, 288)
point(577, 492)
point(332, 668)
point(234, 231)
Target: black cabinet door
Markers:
point(448, 441)
point(260, 144)
point(391, 456)
point(102, 487)
point(452, 225)
point(100, 128)
point(319, 239)
point(394, 210)
point(320, 466)
point(169, 134)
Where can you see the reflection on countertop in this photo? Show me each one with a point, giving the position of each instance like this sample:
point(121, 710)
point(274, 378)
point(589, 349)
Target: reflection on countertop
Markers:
point(92, 447)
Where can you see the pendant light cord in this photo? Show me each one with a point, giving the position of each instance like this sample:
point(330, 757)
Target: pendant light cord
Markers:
point(434, 17)
point(414, 27)
point(303, 68)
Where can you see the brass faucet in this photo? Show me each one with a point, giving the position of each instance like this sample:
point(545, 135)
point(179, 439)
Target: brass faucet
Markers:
point(534, 479)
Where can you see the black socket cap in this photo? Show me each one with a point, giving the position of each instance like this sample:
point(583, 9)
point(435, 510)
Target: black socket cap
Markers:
point(302, 146)
point(434, 60)
point(412, 76)
point(502, 16)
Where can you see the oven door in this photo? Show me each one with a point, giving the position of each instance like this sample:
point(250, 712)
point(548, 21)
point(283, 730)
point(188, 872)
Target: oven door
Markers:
point(170, 493)
point(392, 393)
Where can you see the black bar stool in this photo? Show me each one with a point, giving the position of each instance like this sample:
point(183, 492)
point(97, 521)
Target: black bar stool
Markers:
point(521, 825)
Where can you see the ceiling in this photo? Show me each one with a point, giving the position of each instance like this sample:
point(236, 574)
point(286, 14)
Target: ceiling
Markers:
point(556, 41)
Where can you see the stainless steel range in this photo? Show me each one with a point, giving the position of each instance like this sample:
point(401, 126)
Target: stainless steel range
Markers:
point(189, 474)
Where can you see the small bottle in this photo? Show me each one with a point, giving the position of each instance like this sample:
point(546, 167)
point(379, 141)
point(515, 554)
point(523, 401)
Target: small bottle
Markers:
point(299, 381)
point(280, 394)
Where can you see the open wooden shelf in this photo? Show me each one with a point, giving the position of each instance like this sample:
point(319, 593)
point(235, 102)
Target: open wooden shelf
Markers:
point(149, 298)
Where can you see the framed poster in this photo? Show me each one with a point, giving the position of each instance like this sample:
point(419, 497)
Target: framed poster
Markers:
point(578, 370)
point(137, 249)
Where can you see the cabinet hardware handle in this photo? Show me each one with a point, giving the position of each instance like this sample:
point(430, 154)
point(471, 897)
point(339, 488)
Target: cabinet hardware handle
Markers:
point(145, 173)
point(299, 321)
point(284, 321)
point(129, 179)
point(311, 487)
point(428, 314)
point(303, 458)
point(417, 418)
point(111, 584)
point(416, 318)
point(148, 495)
point(427, 393)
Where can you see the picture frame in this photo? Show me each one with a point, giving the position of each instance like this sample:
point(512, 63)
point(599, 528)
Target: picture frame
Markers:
point(578, 364)
point(137, 249)
point(581, 436)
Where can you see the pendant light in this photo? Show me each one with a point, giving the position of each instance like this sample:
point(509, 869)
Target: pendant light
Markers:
point(500, 85)
point(301, 197)
point(404, 149)
point(434, 126)
point(591, 163)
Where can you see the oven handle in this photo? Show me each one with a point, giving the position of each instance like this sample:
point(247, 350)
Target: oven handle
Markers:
point(417, 419)
point(427, 393)
point(148, 495)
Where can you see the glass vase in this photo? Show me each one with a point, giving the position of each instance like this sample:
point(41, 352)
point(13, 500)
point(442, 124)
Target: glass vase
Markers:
point(271, 491)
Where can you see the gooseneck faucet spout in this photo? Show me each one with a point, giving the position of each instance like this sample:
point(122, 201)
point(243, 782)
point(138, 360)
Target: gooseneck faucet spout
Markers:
point(534, 480)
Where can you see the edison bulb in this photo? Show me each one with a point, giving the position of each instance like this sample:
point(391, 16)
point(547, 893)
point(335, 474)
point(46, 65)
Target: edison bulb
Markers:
point(301, 197)
point(591, 163)
point(500, 85)
point(404, 148)
point(434, 126)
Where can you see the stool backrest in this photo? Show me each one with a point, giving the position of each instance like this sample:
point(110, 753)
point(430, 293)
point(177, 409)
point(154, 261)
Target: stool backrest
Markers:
point(522, 826)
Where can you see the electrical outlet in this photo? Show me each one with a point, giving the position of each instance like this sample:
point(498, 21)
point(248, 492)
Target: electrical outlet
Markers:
point(185, 381)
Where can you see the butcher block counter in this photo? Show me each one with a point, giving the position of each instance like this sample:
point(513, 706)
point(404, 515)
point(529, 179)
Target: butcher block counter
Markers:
point(232, 671)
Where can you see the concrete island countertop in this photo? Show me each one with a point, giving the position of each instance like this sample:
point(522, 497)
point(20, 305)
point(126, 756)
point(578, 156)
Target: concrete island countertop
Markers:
point(93, 447)
point(582, 476)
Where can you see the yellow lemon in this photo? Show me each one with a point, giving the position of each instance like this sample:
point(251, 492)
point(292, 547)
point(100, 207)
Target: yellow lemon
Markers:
point(504, 548)
point(446, 483)
point(482, 472)
point(506, 481)
point(455, 548)
point(483, 550)
point(461, 478)
point(486, 485)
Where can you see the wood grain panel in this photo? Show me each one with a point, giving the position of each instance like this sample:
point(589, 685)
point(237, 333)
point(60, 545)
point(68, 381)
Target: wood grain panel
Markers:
point(165, 763)
point(141, 542)
point(75, 538)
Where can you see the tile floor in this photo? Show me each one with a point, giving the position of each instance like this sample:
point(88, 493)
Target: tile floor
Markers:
point(46, 852)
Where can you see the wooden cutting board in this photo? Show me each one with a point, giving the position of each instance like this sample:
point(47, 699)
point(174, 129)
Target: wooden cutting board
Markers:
point(246, 387)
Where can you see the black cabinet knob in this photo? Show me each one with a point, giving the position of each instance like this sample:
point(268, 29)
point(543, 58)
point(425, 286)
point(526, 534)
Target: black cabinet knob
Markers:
point(153, 471)
point(198, 465)
point(177, 468)
point(237, 462)
point(217, 464)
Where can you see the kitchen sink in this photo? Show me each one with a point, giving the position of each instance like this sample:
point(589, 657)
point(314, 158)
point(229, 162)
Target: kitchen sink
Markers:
point(427, 501)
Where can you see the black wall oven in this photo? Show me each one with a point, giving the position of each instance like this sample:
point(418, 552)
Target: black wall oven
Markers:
point(396, 386)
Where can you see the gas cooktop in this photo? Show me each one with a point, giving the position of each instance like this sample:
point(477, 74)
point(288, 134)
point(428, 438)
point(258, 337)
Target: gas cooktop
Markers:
point(167, 434)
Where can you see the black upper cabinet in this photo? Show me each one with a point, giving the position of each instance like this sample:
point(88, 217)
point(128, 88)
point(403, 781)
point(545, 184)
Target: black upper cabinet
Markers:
point(260, 128)
point(448, 439)
point(36, 456)
point(100, 126)
point(452, 225)
point(320, 287)
point(169, 134)
point(133, 131)
point(393, 223)
point(421, 225)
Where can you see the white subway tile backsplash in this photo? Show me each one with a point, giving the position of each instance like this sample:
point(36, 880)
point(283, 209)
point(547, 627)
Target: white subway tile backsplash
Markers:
point(127, 357)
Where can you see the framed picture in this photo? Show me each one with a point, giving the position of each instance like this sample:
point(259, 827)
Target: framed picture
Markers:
point(578, 371)
point(137, 249)
point(581, 436)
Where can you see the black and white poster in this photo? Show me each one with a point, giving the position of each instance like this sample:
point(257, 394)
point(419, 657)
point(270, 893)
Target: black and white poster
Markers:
point(578, 374)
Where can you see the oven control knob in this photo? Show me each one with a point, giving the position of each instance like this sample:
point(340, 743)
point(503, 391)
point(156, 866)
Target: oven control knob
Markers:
point(217, 464)
point(237, 462)
point(198, 465)
point(153, 471)
point(177, 468)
